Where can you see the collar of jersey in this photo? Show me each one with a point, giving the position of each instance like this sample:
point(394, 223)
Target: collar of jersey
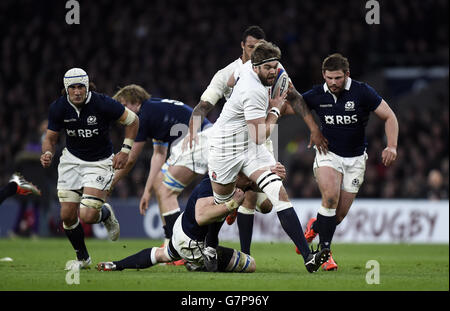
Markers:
point(347, 87)
point(75, 107)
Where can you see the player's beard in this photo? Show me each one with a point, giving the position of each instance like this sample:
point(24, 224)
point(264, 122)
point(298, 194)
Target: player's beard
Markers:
point(267, 81)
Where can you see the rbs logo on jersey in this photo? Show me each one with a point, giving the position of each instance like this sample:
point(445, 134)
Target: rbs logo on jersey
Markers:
point(87, 133)
point(335, 120)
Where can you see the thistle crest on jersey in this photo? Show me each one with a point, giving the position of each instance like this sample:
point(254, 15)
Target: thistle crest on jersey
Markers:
point(281, 83)
point(76, 76)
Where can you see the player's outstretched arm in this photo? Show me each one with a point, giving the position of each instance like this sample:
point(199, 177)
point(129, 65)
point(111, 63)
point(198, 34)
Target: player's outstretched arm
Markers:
point(300, 108)
point(157, 161)
point(195, 122)
point(206, 211)
point(385, 113)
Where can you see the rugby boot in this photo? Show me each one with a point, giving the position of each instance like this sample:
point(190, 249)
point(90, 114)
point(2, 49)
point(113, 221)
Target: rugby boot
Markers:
point(209, 255)
point(106, 266)
point(330, 264)
point(78, 264)
point(316, 259)
point(111, 224)
point(24, 187)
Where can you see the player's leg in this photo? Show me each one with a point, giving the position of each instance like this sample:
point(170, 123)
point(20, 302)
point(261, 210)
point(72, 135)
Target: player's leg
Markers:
point(143, 259)
point(169, 183)
point(329, 181)
point(231, 260)
point(148, 257)
point(70, 201)
point(345, 202)
point(222, 193)
point(245, 218)
point(273, 187)
point(93, 210)
point(355, 169)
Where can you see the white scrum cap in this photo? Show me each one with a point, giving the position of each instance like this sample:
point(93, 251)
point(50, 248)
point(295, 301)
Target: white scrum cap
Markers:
point(76, 76)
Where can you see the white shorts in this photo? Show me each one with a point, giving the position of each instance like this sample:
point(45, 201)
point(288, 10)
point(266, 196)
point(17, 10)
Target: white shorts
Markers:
point(352, 168)
point(74, 173)
point(187, 248)
point(224, 168)
point(195, 159)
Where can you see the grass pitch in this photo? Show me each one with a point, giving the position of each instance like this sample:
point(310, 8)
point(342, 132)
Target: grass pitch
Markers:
point(38, 265)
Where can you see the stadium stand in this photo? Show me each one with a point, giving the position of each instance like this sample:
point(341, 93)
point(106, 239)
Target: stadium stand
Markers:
point(174, 47)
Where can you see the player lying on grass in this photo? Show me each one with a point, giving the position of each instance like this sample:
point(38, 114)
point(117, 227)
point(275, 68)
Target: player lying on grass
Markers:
point(189, 233)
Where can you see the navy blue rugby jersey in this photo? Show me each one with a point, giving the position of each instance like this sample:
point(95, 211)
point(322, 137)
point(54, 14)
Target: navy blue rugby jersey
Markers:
point(188, 222)
point(344, 122)
point(164, 120)
point(87, 133)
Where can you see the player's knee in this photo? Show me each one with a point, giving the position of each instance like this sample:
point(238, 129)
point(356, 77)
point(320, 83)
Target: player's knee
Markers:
point(330, 200)
point(69, 196)
point(89, 215)
point(263, 204)
point(272, 186)
point(250, 198)
point(170, 183)
point(68, 217)
point(89, 208)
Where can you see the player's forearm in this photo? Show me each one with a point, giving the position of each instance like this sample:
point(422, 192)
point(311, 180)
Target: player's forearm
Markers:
point(391, 130)
point(49, 143)
point(48, 146)
point(208, 214)
point(271, 120)
point(301, 109)
point(156, 163)
point(198, 115)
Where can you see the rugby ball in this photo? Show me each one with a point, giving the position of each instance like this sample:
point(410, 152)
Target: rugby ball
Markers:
point(281, 83)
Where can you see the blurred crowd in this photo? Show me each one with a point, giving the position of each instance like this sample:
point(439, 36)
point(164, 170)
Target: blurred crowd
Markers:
point(173, 48)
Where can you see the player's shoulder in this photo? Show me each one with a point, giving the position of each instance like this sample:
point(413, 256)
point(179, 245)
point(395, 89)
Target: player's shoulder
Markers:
point(100, 97)
point(233, 65)
point(362, 88)
point(359, 84)
point(316, 90)
point(59, 104)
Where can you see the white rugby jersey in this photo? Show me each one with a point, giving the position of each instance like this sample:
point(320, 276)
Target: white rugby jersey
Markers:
point(248, 101)
point(218, 87)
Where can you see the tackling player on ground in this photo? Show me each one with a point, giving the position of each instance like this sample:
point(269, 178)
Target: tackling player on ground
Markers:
point(189, 233)
point(343, 106)
point(87, 164)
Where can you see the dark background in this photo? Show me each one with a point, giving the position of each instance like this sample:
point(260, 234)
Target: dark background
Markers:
point(173, 48)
